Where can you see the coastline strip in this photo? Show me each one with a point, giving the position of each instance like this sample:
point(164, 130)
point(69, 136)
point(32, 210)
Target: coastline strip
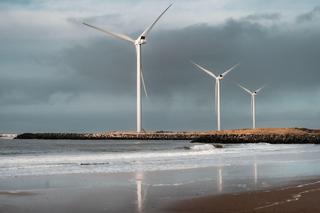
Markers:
point(294, 199)
point(265, 135)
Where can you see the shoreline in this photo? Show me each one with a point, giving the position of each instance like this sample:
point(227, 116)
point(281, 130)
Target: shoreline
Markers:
point(294, 198)
point(148, 192)
point(267, 135)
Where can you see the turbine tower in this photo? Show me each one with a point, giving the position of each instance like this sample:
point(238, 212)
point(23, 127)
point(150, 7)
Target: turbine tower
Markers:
point(253, 103)
point(217, 78)
point(137, 42)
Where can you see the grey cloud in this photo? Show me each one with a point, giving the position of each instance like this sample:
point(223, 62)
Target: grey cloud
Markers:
point(309, 16)
point(181, 97)
point(264, 16)
point(113, 19)
point(267, 55)
point(14, 2)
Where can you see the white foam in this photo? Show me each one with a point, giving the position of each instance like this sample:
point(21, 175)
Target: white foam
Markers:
point(8, 136)
point(293, 198)
point(101, 162)
point(201, 147)
point(197, 156)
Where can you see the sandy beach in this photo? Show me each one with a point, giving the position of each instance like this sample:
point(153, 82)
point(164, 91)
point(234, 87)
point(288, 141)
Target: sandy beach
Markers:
point(153, 176)
point(302, 197)
point(167, 191)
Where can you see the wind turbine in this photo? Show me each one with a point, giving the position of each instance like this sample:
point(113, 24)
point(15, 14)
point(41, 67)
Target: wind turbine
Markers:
point(253, 102)
point(218, 78)
point(137, 43)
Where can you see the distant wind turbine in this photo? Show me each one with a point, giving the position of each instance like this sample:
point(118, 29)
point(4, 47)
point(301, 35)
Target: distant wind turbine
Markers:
point(137, 42)
point(253, 103)
point(218, 78)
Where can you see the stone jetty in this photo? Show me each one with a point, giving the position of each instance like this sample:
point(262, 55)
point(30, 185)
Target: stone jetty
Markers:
point(266, 135)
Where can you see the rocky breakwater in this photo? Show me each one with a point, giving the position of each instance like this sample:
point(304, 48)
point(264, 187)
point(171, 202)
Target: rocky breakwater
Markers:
point(115, 135)
point(53, 136)
point(268, 135)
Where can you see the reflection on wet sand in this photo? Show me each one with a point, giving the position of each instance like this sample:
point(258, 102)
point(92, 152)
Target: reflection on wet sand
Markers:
point(220, 176)
point(255, 173)
point(140, 193)
point(220, 180)
point(142, 187)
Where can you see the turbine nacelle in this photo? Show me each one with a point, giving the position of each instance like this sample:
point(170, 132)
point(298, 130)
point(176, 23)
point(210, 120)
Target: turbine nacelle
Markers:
point(140, 40)
point(251, 93)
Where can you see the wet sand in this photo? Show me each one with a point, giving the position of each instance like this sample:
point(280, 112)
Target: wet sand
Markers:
point(302, 197)
point(141, 179)
point(297, 198)
point(188, 190)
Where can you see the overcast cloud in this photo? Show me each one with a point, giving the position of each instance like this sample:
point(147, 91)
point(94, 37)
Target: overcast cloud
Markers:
point(58, 75)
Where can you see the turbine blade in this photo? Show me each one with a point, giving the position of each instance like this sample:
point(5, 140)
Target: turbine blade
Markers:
point(245, 89)
point(203, 69)
point(229, 70)
point(116, 35)
point(146, 31)
point(142, 78)
point(143, 83)
point(258, 90)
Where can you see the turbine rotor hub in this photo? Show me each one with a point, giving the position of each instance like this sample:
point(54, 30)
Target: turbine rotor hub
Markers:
point(141, 40)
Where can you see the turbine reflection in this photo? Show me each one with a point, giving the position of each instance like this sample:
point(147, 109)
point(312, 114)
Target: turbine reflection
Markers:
point(255, 173)
point(140, 192)
point(220, 180)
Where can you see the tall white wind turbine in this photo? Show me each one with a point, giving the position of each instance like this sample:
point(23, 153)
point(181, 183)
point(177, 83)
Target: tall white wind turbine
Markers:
point(137, 42)
point(217, 78)
point(253, 103)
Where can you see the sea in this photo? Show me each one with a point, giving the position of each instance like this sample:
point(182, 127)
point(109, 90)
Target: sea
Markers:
point(50, 157)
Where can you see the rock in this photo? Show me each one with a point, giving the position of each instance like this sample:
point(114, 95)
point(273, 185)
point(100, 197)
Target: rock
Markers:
point(267, 135)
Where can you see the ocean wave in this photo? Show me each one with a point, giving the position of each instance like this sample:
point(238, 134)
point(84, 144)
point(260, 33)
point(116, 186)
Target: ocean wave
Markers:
point(202, 147)
point(195, 156)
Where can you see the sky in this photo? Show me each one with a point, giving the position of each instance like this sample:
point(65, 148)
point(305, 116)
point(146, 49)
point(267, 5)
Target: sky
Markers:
point(57, 75)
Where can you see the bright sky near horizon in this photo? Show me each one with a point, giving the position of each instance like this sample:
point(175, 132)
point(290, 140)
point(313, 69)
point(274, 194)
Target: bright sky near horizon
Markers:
point(58, 75)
